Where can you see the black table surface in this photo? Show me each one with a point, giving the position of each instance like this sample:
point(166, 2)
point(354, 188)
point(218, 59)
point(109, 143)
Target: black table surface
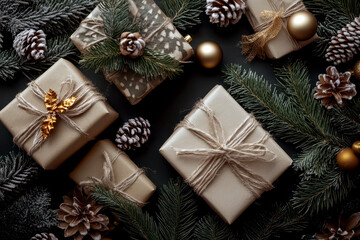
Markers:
point(165, 106)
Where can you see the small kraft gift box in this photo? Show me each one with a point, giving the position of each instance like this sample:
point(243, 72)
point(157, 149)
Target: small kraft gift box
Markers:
point(224, 154)
point(57, 114)
point(106, 164)
point(160, 34)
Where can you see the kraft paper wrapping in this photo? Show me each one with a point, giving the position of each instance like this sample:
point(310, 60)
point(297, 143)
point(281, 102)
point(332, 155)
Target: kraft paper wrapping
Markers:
point(63, 140)
point(282, 44)
point(168, 40)
point(225, 195)
point(92, 166)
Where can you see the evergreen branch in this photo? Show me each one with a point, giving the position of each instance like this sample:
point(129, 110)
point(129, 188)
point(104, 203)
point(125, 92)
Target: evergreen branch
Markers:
point(16, 171)
point(213, 228)
point(28, 215)
point(272, 109)
point(185, 13)
point(138, 224)
point(177, 208)
point(9, 64)
point(275, 223)
point(315, 195)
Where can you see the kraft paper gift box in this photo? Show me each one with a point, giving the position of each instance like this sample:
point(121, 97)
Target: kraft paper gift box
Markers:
point(92, 166)
point(226, 194)
point(283, 43)
point(64, 140)
point(167, 40)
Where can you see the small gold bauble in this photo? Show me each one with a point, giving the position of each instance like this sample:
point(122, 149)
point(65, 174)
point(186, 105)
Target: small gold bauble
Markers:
point(302, 25)
point(356, 147)
point(347, 159)
point(209, 54)
point(356, 71)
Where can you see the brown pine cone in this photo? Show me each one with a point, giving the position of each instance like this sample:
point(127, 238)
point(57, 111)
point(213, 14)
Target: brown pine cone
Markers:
point(79, 217)
point(133, 134)
point(333, 87)
point(341, 230)
point(345, 45)
point(31, 44)
point(132, 44)
point(224, 12)
point(44, 236)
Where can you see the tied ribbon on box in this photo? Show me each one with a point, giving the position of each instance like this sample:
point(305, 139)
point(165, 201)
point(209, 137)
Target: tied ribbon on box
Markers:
point(108, 179)
point(274, 21)
point(233, 152)
point(73, 102)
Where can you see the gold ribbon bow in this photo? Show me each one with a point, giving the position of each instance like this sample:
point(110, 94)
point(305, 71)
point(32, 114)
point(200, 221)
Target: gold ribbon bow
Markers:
point(54, 109)
point(233, 152)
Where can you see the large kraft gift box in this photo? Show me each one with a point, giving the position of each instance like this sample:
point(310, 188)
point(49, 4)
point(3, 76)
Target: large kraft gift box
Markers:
point(64, 140)
point(167, 40)
point(283, 43)
point(91, 166)
point(226, 194)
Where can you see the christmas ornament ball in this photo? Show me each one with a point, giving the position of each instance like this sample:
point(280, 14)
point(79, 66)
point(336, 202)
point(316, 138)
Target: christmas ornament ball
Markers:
point(347, 159)
point(209, 54)
point(356, 70)
point(356, 147)
point(302, 25)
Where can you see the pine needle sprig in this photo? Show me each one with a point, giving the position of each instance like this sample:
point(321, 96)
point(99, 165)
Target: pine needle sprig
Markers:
point(10, 64)
point(177, 209)
point(184, 13)
point(138, 224)
point(213, 228)
point(16, 171)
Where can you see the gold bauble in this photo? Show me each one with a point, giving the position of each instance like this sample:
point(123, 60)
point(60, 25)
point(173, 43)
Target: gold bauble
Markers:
point(347, 159)
point(356, 71)
point(209, 54)
point(356, 147)
point(302, 25)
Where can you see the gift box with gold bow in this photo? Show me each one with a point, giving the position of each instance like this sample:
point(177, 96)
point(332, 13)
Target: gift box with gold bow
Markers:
point(263, 16)
point(57, 114)
point(158, 31)
point(224, 154)
point(106, 164)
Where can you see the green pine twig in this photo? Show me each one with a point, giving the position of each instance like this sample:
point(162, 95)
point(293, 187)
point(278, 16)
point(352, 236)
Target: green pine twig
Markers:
point(213, 228)
point(10, 64)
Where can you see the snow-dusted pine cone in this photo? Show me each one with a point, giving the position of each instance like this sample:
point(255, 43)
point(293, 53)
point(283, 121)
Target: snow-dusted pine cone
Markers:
point(345, 44)
point(31, 44)
point(132, 44)
point(224, 12)
point(44, 236)
point(333, 87)
point(133, 134)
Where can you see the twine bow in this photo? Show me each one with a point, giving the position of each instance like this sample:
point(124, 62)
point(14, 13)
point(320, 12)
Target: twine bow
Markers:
point(232, 151)
point(274, 21)
point(108, 179)
point(86, 96)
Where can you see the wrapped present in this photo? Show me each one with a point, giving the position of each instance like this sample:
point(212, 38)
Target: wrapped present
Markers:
point(262, 15)
point(108, 165)
point(224, 154)
point(160, 34)
point(57, 114)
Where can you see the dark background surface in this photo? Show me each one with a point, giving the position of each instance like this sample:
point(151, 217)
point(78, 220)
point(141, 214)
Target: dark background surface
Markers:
point(165, 107)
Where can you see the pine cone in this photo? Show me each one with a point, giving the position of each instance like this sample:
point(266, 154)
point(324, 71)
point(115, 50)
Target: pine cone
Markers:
point(333, 87)
point(44, 236)
point(79, 216)
point(31, 44)
point(224, 12)
point(345, 45)
point(133, 134)
point(342, 230)
point(132, 44)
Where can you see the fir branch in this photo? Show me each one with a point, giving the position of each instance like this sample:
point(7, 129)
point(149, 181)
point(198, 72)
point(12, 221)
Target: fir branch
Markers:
point(320, 194)
point(185, 13)
point(138, 224)
point(177, 208)
point(213, 228)
point(9, 64)
point(28, 215)
point(16, 171)
point(274, 223)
